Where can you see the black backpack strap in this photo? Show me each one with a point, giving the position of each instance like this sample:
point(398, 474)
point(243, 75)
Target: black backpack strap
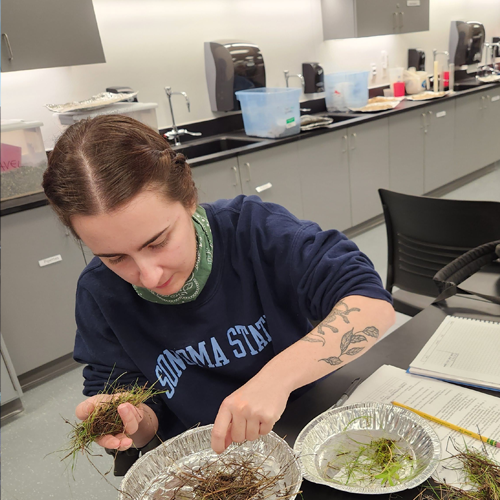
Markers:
point(458, 270)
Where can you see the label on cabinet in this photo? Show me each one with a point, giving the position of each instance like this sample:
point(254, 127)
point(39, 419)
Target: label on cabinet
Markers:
point(440, 114)
point(264, 187)
point(49, 260)
point(495, 98)
point(413, 3)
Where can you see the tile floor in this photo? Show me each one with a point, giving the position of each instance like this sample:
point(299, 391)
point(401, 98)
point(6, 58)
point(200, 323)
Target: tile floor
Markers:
point(31, 465)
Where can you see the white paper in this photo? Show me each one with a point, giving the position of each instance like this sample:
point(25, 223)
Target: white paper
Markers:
point(458, 405)
point(440, 114)
point(463, 350)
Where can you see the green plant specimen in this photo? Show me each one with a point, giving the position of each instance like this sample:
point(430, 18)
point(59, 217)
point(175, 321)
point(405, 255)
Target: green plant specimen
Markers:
point(382, 462)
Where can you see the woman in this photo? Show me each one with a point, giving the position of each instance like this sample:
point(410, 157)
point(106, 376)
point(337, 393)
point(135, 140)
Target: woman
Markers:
point(211, 302)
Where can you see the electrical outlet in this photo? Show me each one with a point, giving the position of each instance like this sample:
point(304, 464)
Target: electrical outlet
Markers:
point(374, 70)
point(385, 59)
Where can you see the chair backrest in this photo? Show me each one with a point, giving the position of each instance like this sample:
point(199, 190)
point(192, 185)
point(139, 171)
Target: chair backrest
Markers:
point(425, 234)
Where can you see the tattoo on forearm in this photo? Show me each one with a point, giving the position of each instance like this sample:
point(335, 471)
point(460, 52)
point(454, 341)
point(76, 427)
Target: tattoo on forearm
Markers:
point(340, 310)
point(349, 338)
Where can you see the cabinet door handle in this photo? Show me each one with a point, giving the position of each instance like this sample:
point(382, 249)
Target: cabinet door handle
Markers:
point(235, 170)
point(482, 102)
point(264, 187)
point(353, 146)
point(401, 14)
point(249, 172)
point(11, 54)
point(344, 141)
point(394, 14)
point(424, 122)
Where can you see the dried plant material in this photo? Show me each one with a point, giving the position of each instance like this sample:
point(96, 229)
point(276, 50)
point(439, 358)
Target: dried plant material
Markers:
point(105, 419)
point(424, 96)
point(481, 473)
point(379, 103)
point(229, 478)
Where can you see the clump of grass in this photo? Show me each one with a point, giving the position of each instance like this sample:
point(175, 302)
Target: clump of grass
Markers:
point(381, 461)
point(105, 419)
point(481, 473)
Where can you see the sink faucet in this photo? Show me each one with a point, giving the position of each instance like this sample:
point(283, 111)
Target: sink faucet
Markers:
point(175, 133)
point(298, 75)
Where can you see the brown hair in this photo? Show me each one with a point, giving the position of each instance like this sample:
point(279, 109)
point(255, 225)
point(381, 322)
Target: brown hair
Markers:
point(99, 164)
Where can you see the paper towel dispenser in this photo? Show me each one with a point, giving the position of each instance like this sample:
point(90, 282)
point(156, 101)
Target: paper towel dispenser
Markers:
point(466, 43)
point(231, 66)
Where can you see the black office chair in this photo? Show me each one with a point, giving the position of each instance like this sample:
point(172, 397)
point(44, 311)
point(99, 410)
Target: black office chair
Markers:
point(425, 234)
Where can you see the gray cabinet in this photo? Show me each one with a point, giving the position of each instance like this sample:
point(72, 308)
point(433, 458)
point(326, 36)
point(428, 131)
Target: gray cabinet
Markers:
point(468, 134)
point(218, 180)
point(368, 167)
point(413, 16)
point(490, 140)
point(406, 152)
point(439, 145)
point(360, 18)
point(10, 388)
point(273, 175)
point(477, 131)
point(41, 266)
point(324, 178)
point(49, 33)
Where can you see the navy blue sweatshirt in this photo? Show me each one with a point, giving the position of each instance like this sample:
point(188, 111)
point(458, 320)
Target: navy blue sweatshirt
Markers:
point(271, 272)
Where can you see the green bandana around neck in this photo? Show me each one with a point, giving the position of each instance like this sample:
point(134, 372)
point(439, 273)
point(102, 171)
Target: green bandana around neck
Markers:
point(198, 278)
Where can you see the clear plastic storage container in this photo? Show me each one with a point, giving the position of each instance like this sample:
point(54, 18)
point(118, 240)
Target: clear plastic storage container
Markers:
point(270, 112)
point(144, 112)
point(346, 90)
point(23, 158)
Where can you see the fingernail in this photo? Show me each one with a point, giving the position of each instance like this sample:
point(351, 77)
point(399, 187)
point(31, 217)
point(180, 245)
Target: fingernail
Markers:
point(124, 411)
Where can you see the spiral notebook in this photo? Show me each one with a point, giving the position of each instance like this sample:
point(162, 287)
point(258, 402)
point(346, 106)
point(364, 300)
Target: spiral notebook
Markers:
point(462, 350)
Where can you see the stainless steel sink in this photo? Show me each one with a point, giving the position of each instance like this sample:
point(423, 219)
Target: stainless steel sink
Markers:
point(212, 146)
point(341, 117)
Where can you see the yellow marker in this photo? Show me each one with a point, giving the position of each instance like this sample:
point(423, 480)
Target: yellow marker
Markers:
point(449, 425)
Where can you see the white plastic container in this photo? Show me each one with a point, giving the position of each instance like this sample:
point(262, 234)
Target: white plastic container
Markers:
point(270, 112)
point(140, 111)
point(24, 159)
point(346, 90)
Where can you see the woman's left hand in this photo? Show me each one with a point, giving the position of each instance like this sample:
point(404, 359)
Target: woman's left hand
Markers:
point(249, 412)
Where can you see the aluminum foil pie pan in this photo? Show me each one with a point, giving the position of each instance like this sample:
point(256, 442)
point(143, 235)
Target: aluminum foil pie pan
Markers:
point(324, 444)
point(153, 476)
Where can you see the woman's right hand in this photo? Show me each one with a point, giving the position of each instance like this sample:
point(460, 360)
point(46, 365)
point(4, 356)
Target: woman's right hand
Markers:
point(140, 423)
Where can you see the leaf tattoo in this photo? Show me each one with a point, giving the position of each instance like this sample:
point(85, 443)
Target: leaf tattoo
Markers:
point(349, 338)
point(340, 310)
point(354, 350)
point(346, 340)
point(332, 361)
point(371, 331)
point(356, 339)
point(312, 338)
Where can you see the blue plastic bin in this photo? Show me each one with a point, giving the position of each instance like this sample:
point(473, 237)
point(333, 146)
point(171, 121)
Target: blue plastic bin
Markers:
point(346, 90)
point(270, 112)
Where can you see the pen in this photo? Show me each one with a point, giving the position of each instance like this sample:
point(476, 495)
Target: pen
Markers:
point(449, 425)
point(347, 393)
